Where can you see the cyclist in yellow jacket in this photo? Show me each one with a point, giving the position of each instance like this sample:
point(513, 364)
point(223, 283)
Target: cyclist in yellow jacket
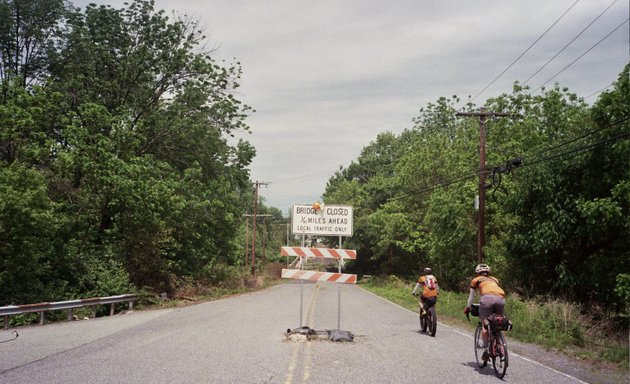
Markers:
point(492, 296)
point(430, 289)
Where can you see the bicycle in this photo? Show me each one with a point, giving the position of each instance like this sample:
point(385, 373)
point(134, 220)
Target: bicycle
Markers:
point(497, 350)
point(428, 319)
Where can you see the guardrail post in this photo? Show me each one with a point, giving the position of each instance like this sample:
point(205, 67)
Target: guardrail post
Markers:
point(93, 311)
point(5, 321)
point(70, 314)
point(41, 318)
point(111, 310)
point(131, 305)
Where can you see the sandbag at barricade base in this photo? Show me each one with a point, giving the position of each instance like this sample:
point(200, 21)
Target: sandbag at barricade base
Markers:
point(339, 335)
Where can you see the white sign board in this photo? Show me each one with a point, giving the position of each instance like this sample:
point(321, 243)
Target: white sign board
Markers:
point(331, 220)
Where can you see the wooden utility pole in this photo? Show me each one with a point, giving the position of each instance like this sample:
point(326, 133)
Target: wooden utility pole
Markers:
point(246, 242)
point(481, 231)
point(257, 185)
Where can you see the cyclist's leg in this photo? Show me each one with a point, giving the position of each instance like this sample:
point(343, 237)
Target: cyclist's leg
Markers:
point(485, 310)
point(423, 308)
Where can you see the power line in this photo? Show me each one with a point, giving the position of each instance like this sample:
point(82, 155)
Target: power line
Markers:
point(533, 162)
point(569, 43)
point(585, 135)
point(322, 173)
point(582, 55)
point(580, 149)
point(599, 91)
point(522, 54)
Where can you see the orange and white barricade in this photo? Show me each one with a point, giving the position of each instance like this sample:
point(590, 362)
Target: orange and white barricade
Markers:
point(299, 274)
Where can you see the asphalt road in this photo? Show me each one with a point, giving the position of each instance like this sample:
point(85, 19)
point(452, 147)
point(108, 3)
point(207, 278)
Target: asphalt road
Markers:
point(242, 339)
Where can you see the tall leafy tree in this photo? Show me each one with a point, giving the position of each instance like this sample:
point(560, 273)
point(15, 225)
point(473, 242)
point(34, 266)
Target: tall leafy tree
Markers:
point(572, 206)
point(29, 31)
point(126, 129)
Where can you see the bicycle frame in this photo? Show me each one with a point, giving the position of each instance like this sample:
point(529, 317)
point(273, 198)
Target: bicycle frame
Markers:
point(496, 350)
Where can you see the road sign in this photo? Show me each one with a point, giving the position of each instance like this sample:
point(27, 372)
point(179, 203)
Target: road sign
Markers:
point(318, 252)
point(330, 220)
point(298, 274)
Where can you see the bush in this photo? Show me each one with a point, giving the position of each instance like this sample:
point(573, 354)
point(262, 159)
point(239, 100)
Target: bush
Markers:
point(552, 323)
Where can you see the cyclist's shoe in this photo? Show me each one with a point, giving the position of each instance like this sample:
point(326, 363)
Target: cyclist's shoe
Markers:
point(484, 357)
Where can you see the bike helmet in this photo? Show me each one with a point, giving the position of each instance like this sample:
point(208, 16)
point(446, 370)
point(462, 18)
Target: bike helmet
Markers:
point(427, 270)
point(482, 268)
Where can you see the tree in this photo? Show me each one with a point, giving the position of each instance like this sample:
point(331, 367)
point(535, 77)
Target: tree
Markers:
point(126, 130)
point(29, 31)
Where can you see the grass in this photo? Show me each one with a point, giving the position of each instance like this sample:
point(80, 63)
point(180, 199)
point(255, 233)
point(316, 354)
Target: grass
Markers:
point(552, 324)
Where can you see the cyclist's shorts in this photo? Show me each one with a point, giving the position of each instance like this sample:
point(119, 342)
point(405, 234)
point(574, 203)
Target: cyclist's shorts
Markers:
point(428, 301)
point(489, 304)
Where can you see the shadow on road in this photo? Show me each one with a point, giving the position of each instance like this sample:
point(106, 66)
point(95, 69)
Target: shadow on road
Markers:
point(483, 371)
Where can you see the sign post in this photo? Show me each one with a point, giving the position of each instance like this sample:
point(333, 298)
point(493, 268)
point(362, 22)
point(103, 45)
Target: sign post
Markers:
point(317, 219)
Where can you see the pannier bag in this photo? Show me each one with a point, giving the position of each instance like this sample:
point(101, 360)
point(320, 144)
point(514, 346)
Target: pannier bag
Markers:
point(500, 322)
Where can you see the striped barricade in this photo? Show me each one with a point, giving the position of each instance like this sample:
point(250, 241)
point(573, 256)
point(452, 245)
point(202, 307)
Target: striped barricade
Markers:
point(298, 274)
point(319, 252)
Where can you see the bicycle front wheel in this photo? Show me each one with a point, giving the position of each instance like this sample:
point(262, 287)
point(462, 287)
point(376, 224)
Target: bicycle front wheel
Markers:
point(432, 317)
point(479, 349)
point(500, 358)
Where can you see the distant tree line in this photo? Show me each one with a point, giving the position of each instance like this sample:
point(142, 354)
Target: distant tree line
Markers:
point(116, 166)
point(556, 217)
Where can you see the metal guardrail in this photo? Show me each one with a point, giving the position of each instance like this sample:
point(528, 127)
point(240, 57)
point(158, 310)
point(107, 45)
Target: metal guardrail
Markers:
point(9, 310)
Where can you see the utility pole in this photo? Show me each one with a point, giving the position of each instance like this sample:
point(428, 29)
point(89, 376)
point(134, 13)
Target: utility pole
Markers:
point(481, 231)
point(257, 185)
point(264, 240)
point(246, 243)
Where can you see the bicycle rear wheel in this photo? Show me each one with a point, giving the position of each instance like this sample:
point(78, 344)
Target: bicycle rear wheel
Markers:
point(500, 358)
point(479, 349)
point(432, 320)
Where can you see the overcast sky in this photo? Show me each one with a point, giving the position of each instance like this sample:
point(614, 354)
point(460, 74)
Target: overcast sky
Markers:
point(326, 77)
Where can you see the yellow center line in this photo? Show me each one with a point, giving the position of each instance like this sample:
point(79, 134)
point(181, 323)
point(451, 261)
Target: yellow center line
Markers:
point(291, 369)
point(298, 346)
point(307, 363)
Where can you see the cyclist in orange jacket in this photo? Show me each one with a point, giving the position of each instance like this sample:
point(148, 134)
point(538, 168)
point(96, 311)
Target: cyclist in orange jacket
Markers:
point(430, 290)
point(492, 297)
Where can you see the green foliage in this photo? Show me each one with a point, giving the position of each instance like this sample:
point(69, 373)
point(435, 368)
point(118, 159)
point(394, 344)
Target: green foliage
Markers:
point(117, 172)
point(28, 33)
point(622, 289)
point(27, 225)
point(551, 323)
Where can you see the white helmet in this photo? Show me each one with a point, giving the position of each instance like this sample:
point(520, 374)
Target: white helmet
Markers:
point(482, 268)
